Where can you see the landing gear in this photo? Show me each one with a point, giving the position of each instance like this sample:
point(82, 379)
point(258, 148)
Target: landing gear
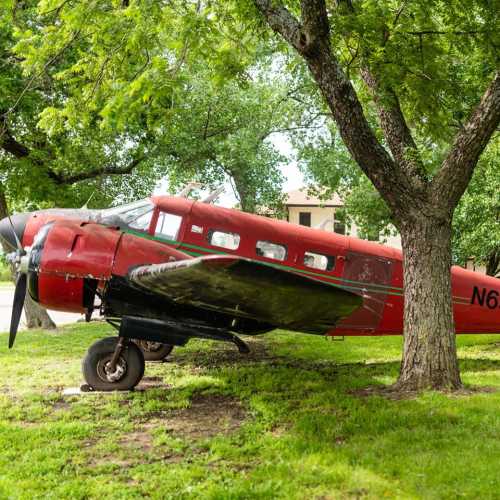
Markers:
point(154, 351)
point(113, 364)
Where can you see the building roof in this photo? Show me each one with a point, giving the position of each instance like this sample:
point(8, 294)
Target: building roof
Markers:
point(300, 197)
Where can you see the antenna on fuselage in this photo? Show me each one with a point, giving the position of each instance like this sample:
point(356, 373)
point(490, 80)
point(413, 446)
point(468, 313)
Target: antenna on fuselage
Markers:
point(86, 205)
point(213, 195)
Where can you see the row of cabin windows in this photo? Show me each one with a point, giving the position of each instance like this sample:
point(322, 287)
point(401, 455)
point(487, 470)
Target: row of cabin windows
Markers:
point(270, 250)
point(168, 226)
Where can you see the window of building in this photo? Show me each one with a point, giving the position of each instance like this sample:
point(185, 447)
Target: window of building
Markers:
point(271, 250)
point(223, 239)
point(319, 261)
point(338, 227)
point(339, 223)
point(168, 226)
point(305, 219)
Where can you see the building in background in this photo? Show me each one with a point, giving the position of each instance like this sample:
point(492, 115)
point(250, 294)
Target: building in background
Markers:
point(307, 210)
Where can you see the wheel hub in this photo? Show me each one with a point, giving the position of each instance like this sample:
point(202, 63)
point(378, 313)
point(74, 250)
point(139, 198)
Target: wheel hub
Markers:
point(108, 375)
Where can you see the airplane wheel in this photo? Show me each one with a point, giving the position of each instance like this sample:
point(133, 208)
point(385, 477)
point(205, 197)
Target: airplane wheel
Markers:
point(127, 374)
point(154, 351)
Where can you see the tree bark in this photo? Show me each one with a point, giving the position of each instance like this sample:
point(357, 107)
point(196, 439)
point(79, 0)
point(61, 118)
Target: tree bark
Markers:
point(36, 316)
point(493, 263)
point(429, 355)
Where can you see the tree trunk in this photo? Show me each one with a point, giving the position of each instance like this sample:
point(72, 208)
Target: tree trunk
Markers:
point(245, 194)
point(36, 316)
point(429, 353)
point(493, 263)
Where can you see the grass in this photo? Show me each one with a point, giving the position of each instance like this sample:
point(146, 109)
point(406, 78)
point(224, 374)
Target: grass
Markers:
point(281, 423)
point(5, 273)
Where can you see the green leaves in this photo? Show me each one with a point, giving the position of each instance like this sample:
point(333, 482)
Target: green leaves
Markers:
point(476, 223)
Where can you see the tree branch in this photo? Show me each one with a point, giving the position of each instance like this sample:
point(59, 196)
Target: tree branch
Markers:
point(456, 171)
point(281, 21)
point(387, 176)
point(395, 129)
point(9, 143)
point(65, 179)
point(434, 32)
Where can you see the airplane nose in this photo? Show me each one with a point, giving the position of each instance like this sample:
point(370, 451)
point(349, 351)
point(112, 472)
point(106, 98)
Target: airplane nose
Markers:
point(6, 233)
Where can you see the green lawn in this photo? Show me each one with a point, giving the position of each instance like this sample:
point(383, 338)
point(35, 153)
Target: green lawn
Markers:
point(283, 422)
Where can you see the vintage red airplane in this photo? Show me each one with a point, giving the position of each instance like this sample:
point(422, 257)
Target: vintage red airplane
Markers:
point(168, 269)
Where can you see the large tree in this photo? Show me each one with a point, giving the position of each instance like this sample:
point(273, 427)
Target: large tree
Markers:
point(395, 49)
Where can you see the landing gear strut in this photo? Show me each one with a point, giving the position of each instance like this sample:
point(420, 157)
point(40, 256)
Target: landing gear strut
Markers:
point(113, 364)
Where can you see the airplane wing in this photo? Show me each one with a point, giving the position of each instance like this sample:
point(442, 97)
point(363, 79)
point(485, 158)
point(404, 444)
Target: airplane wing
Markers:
point(249, 289)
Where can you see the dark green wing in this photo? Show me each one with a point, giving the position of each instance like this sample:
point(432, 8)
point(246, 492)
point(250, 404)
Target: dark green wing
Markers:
point(250, 289)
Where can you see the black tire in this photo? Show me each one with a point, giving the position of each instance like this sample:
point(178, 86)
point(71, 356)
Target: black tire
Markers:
point(130, 366)
point(154, 351)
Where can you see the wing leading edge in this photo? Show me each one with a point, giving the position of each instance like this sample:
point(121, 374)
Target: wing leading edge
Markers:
point(249, 289)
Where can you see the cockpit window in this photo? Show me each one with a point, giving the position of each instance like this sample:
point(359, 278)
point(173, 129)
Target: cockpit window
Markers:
point(168, 226)
point(136, 215)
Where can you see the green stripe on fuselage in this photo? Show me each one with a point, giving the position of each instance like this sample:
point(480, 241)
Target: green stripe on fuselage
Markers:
point(350, 284)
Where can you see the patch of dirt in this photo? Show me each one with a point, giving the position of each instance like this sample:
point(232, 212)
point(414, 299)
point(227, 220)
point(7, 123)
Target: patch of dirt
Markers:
point(226, 355)
point(384, 391)
point(223, 354)
point(150, 383)
point(388, 392)
point(469, 391)
point(207, 416)
point(140, 439)
point(61, 404)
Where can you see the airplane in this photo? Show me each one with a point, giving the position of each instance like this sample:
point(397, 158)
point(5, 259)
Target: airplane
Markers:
point(167, 269)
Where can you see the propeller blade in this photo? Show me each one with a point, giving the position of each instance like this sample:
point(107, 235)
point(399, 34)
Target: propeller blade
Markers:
point(18, 243)
point(17, 307)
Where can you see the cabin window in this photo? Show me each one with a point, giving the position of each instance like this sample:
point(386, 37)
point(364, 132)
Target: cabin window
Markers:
point(223, 239)
point(305, 219)
point(271, 250)
point(319, 261)
point(168, 226)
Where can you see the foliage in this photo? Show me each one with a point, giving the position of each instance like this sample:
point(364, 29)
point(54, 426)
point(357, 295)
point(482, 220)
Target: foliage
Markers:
point(5, 272)
point(37, 168)
point(303, 430)
point(476, 222)
point(105, 88)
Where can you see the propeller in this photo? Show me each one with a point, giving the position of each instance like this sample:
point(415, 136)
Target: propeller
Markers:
point(20, 291)
point(17, 307)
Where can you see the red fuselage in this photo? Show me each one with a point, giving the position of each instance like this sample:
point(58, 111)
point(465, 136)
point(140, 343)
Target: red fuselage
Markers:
point(80, 250)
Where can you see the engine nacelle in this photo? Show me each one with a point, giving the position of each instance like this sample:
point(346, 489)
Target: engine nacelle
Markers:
point(67, 262)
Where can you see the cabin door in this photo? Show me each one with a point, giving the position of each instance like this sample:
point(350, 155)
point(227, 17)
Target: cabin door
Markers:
point(371, 277)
